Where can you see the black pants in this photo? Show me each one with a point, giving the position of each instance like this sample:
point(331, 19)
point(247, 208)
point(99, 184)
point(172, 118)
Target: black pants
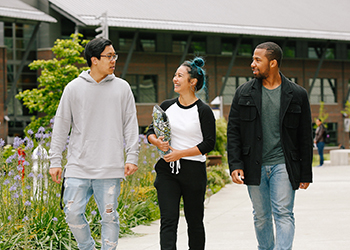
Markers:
point(191, 184)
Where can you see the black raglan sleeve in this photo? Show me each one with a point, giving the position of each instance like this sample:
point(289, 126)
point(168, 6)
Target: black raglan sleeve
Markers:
point(208, 127)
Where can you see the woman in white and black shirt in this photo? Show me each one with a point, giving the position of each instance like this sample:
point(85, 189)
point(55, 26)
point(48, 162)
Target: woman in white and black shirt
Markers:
point(182, 173)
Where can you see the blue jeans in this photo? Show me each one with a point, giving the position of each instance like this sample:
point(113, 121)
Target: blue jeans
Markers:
point(320, 147)
point(76, 196)
point(274, 196)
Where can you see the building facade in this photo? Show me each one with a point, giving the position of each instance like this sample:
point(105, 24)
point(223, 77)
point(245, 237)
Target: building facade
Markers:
point(148, 58)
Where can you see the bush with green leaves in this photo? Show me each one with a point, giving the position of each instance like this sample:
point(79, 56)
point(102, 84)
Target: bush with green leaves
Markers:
point(55, 74)
point(221, 138)
point(218, 177)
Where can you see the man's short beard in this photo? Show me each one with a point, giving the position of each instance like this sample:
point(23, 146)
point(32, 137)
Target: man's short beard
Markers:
point(260, 77)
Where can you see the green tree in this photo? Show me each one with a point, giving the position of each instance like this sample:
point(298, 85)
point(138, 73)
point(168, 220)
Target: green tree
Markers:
point(55, 74)
point(346, 111)
point(322, 114)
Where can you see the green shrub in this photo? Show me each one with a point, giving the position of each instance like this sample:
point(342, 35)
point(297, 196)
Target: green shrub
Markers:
point(221, 138)
point(218, 177)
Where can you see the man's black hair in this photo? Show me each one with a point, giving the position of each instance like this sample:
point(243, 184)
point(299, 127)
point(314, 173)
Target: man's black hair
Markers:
point(273, 51)
point(95, 47)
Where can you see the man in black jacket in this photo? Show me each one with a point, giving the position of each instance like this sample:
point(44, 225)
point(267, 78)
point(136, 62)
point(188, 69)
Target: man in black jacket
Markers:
point(269, 145)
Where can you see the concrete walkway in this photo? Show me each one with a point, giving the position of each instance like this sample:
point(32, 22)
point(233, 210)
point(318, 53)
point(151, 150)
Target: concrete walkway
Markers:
point(322, 215)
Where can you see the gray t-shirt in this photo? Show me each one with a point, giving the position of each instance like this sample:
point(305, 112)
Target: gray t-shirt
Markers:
point(272, 148)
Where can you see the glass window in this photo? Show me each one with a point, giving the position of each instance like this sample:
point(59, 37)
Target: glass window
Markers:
point(148, 45)
point(144, 87)
point(125, 44)
point(179, 43)
point(293, 79)
point(315, 51)
point(9, 43)
point(125, 41)
point(227, 46)
point(289, 50)
point(15, 107)
point(233, 82)
point(246, 48)
point(8, 30)
point(203, 93)
point(67, 28)
point(323, 90)
point(197, 47)
point(146, 42)
point(16, 39)
point(198, 44)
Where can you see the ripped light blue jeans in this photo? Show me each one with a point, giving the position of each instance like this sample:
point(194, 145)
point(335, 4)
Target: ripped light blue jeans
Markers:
point(273, 197)
point(77, 194)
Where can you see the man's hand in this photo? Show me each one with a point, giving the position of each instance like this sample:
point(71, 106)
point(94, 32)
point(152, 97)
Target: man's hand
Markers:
point(304, 185)
point(56, 174)
point(237, 176)
point(129, 169)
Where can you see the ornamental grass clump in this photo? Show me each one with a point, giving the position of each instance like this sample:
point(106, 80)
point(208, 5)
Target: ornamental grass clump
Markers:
point(31, 217)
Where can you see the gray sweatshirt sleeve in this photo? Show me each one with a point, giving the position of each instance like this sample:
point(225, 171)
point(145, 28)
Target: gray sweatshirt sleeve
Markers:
point(60, 131)
point(131, 130)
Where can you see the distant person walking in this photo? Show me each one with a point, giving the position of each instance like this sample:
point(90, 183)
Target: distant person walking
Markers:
point(319, 140)
point(269, 146)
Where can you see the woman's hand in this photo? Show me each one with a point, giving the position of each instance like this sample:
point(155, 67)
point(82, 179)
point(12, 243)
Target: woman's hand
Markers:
point(158, 142)
point(162, 145)
point(173, 156)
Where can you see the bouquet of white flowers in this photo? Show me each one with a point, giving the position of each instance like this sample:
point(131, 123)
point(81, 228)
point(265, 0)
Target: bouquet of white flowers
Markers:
point(161, 126)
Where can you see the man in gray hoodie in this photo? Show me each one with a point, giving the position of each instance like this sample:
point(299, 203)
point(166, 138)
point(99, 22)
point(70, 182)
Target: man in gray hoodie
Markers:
point(97, 110)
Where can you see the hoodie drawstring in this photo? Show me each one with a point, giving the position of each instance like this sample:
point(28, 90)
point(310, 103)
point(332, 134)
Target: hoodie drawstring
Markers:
point(177, 165)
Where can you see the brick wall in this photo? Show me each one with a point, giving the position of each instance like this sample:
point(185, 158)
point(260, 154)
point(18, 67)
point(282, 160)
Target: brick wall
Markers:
point(44, 54)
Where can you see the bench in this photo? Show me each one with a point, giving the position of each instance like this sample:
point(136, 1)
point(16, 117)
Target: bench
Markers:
point(340, 157)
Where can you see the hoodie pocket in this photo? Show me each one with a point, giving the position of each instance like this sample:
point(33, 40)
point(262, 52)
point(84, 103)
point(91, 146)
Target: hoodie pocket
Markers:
point(101, 153)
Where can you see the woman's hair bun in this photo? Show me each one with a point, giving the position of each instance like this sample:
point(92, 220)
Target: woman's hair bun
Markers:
point(198, 61)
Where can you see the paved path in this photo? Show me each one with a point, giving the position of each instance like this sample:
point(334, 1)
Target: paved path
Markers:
point(322, 215)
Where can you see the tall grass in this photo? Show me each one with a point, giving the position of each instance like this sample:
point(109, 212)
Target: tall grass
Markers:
point(31, 217)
